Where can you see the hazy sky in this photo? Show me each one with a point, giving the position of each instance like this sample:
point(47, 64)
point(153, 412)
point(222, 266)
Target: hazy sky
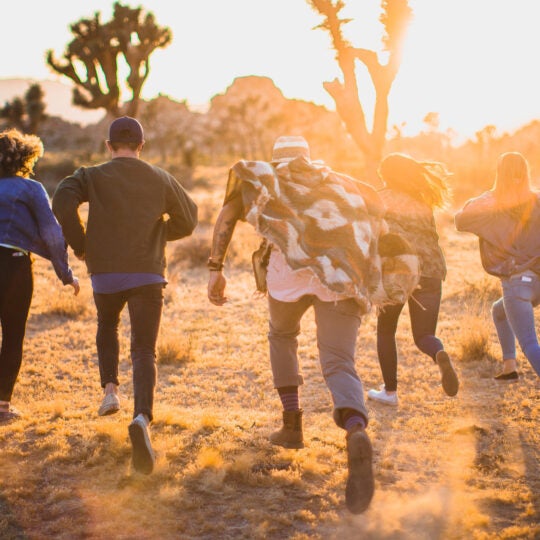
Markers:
point(475, 62)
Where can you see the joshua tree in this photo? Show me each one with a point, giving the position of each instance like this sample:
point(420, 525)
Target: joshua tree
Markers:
point(26, 114)
point(395, 18)
point(35, 108)
point(91, 58)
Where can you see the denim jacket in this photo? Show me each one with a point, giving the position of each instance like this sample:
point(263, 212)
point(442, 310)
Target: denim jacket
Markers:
point(27, 222)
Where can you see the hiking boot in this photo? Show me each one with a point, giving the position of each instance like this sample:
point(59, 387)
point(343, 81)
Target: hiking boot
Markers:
point(143, 456)
point(383, 397)
point(360, 482)
point(449, 378)
point(290, 435)
point(109, 405)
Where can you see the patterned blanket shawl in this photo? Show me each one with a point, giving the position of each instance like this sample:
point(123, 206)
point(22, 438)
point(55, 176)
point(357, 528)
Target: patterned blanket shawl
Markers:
point(319, 219)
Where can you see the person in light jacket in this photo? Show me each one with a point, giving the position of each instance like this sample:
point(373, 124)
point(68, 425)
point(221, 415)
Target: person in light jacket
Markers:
point(27, 225)
point(506, 220)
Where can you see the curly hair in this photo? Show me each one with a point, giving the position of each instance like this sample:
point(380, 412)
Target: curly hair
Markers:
point(422, 180)
point(18, 153)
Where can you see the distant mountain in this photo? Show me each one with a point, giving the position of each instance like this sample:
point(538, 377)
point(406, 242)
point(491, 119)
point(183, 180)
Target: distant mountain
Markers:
point(57, 98)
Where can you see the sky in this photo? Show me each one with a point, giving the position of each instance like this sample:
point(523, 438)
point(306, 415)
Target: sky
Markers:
point(474, 62)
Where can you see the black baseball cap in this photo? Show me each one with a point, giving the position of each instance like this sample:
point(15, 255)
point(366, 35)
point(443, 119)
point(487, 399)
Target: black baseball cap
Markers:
point(126, 129)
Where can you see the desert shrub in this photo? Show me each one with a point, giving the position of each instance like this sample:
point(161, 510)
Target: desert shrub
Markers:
point(477, 296)
point(485, 290)
point(51, 170)
point(175, 349)
point(65, 304)
point(190, 252)
point(474, 339)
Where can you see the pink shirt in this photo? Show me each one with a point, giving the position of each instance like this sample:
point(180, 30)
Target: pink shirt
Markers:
point(288, 285)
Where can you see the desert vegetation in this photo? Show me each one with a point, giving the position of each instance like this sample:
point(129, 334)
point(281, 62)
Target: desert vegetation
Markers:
point(445, 468)
point(452, 468)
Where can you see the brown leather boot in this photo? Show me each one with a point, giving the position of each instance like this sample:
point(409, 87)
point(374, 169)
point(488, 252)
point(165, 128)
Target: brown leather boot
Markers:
point(290, 435)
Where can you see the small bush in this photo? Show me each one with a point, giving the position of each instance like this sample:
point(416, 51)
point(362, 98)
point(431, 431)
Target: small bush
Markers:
point(191, 252)
point(174, 350)
point(475, 339)
point(67, 305)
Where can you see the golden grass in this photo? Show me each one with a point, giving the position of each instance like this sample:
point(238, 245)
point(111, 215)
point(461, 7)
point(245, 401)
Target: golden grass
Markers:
point(475, 340)
point(446, 468)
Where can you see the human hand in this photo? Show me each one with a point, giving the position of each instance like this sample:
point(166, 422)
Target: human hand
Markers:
point(76, 286)
point(216, 288)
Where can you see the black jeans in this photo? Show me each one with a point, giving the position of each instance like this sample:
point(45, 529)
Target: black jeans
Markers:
point(423, 324)
point(16, 288)
point(145, 305)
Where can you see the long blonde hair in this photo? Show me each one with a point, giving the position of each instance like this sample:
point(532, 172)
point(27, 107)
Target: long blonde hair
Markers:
point(512, 186)
point(423, 180)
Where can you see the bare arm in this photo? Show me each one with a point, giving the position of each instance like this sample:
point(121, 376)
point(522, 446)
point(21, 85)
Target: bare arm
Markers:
point(223, 230)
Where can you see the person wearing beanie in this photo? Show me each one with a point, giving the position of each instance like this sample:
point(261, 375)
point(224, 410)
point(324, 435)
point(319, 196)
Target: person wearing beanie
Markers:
point(320, 230)
point(134, 209)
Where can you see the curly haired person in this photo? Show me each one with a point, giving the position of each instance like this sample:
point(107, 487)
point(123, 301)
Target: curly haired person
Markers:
point(27, 226)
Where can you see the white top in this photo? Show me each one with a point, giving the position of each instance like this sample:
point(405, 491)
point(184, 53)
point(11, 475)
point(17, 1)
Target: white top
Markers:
point(288, 285)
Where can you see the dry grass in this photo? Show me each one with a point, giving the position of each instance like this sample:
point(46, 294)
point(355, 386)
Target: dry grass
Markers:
point(446, 468)
point(475, 340)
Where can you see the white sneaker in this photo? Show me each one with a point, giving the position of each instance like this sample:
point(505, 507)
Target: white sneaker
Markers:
point(143, 455)
point(383, 397)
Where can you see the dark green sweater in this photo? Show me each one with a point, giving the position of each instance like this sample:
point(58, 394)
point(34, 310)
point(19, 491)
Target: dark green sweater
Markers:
point(134, 208)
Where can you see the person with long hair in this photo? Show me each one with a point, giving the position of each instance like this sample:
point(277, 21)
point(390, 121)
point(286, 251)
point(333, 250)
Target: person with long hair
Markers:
point(506, 220)
point(27, 225)
point(413, 190)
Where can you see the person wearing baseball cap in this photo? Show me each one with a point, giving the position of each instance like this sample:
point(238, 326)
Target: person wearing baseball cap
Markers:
point(126, 130)
point(135, 208)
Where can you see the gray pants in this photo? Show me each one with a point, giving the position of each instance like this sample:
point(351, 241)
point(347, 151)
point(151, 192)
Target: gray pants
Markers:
point(337, 330)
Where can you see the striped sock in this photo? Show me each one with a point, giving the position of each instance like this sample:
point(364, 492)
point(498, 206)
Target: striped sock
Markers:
point(289, 398)
point(352, 418)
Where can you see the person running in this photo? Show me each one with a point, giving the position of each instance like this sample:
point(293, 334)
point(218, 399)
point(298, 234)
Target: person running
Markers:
point(27, 225)
point(134, 208)
point(413, 189)
point(506, 220)
point(322, 228)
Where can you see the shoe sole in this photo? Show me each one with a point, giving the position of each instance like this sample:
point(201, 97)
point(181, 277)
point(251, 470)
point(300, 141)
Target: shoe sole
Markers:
point(109, 408)
point(6, 418)
point(379, 400)
point(289, 446)
point(107, 411)
point(449, 379)
point(360, 482)
point(502, 378)
point(142, 454)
